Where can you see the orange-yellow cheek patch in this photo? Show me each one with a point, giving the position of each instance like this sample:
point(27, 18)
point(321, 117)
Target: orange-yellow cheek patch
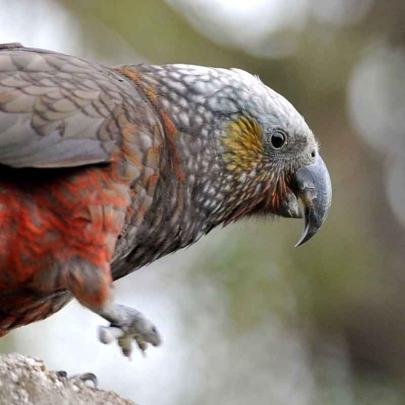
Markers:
point(243, 145)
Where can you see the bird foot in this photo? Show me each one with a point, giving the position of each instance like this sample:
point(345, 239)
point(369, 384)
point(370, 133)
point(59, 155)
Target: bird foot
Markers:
point(85, 377)
point(131, 326)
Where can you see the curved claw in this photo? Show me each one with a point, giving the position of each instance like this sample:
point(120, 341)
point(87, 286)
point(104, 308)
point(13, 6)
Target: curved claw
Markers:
point(89, 377)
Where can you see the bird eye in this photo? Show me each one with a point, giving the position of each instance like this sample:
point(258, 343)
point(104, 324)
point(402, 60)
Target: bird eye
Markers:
point(277, 139)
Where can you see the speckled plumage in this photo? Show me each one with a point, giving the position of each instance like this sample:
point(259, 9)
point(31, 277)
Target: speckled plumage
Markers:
point(103, 170)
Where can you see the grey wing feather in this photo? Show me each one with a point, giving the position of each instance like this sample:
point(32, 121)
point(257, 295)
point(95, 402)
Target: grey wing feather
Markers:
point(57, 110)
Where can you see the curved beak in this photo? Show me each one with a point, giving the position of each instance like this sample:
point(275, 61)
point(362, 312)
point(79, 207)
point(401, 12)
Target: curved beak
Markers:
point(311, 184)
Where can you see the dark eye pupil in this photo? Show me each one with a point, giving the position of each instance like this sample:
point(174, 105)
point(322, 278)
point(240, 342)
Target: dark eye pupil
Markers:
point(277, 140)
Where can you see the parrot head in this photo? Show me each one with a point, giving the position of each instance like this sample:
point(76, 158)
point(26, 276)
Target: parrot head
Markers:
point(268, 139)
point(255, 153)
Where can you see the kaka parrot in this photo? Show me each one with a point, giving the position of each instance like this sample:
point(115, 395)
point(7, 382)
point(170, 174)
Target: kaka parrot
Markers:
point(106, 169)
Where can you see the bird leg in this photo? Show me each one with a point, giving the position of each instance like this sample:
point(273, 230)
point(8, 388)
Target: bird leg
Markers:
point(127, 324)
point(91, 286)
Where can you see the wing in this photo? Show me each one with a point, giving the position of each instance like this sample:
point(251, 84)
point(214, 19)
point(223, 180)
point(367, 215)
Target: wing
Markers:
point(57, 110)
point(61, 111)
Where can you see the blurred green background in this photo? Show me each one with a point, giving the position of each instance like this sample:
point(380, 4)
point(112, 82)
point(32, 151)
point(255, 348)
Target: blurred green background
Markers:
point(247, 318)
